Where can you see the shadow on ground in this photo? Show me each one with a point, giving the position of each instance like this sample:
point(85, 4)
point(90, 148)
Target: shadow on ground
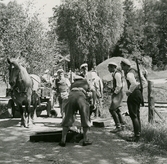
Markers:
point(107, 148)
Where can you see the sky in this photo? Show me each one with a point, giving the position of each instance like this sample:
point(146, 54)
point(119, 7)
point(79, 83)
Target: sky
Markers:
point(43, 6)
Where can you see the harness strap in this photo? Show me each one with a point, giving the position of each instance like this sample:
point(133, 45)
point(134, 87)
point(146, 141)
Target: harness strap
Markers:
point(79, 89)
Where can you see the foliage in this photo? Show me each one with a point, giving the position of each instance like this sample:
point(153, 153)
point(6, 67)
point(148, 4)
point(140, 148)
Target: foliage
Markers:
point(130, 43)
point(23, 36)
point(144, 32)
point(155, 134)
point(153, 21)
point(90, 28)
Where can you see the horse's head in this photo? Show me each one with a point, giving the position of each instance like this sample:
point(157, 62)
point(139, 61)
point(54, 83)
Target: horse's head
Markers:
point(14, 71)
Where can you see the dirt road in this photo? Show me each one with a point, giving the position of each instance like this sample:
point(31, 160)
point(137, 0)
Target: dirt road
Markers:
point(107, 148)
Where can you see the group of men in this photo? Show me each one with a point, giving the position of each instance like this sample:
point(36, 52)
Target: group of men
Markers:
point(76, 97)
point(134, 95)
point(80, 95)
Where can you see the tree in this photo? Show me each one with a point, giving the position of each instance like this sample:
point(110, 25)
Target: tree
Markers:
point(91, 28)
point(23, 35)
point(153, 21)
point(129, 44)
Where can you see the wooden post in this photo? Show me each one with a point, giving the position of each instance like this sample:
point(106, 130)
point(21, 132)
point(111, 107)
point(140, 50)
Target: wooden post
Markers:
point(151, 102)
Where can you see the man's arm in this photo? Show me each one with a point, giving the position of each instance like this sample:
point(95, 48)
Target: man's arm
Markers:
point(133, 82)
point(119, 84)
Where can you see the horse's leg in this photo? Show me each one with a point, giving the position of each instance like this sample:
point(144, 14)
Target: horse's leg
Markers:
point(35, 101)
point(22, 114)
point(34, 113)
point(29, 113)
point(11, 107)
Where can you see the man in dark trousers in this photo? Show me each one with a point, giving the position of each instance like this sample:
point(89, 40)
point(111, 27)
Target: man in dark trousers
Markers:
point(116, 96)
point(78, 101)
point(134, 94)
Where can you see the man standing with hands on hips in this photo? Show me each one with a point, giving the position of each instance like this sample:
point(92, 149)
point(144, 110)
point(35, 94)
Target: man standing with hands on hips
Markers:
point(135, 96)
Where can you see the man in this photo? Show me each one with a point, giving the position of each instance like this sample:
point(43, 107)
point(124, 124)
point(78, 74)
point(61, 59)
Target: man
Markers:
point(116, 97)
point(134, 94)
point(98, 85)
point(62, 87)
point(84, 70)
point(46, 78)
point(88, 76)
point(77, 101)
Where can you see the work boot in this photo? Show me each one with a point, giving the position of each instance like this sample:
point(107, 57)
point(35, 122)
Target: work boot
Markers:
point(86, 143)
point(62, 144)
point(133, 139)
point(117, 129)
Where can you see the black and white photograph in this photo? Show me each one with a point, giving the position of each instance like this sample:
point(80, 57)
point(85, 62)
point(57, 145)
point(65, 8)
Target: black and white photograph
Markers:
point(83, 81)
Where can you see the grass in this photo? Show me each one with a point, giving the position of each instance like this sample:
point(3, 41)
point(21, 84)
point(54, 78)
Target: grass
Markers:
point(153, 136)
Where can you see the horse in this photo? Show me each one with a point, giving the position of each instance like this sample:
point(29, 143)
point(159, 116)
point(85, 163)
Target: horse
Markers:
point(22, 92)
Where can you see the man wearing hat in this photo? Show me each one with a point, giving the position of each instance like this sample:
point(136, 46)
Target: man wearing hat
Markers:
point(116, 97)
point(84, 70)
point(78, 100)
point(62, 87)
point(134, 96)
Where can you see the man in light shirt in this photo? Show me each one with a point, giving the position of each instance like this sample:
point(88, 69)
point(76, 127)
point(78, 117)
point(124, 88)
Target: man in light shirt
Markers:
point(134, 94)
point(84, 70)
point(62, 87)
point(116, 97)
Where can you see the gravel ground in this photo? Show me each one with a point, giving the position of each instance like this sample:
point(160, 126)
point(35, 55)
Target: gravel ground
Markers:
point(107, 148)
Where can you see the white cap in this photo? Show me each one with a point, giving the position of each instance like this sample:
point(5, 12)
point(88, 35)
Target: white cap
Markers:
point(126, 61)
point(113, 63)
point(84, 65)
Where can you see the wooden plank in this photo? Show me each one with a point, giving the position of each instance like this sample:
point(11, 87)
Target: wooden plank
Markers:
point(102, 122)
point(55, 136)
point(151, 102)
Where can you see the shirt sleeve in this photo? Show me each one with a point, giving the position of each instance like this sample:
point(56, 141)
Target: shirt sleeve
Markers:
point(133, 82)
point(118, 83)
